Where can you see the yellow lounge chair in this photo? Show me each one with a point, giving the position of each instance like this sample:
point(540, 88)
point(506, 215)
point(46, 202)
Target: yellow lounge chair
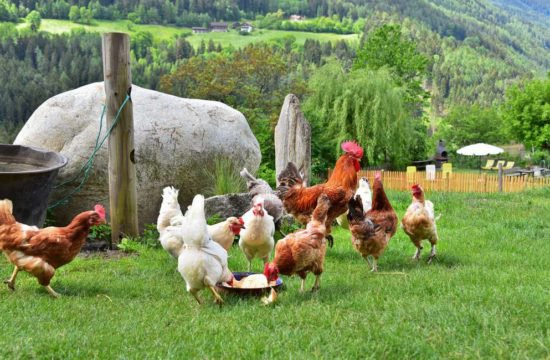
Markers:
point(489, 165)
point(509, 165)
point(447, 169)
point(502, 162)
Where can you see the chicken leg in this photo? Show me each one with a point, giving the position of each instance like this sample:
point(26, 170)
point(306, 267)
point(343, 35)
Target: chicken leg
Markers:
point(217, 298)
point(195, 294)
point(432, 254)
point(52, 291)
point(416, 256)
point(11, 281)
point(303, 285)
point(317, 284)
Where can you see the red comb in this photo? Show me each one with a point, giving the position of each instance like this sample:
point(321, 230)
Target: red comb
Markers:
point(100, 210)
point(351, 147)
point(378, 176)
point(241, 221)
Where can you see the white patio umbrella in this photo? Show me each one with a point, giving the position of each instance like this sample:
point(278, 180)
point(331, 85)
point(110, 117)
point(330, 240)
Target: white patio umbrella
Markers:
point(480, 149)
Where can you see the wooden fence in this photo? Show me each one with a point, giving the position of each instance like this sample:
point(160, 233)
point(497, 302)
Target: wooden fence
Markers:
point(455, 182)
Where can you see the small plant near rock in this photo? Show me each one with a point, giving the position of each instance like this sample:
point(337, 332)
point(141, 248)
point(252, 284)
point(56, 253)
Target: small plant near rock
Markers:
point(150, 236)
point(225, 178)
point(129, 245)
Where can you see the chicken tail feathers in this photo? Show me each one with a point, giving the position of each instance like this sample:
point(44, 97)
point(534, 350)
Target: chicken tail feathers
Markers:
point(6, 212)
point(355, 209)
point(246, 175)
point(289, 177)
point(169, 208)
point(195, 224)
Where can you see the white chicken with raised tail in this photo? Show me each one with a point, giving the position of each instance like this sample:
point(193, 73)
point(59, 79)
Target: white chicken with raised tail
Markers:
point(366, 199)
point(202, 262)
point(170, 214)
point(257, 237)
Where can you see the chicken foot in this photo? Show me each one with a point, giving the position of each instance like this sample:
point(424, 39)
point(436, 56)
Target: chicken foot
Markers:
point(195, 294)
point(52, 291)
point(373, 264)
point(217, 298)
point(432, 255)
point(317, 284)
point(11, 281)
point(416, 256)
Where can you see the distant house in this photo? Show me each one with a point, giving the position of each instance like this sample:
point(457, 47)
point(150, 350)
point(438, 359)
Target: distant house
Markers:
point(246, 27)
point(297, 18)
point(199, 30)
point(218, 26)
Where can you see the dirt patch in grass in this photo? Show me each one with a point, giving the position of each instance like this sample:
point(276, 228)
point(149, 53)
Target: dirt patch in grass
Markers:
point(107, 254)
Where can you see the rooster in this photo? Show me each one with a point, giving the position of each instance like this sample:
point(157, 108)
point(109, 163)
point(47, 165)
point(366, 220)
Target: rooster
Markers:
point(381, 212)
point(257, 237)
point(366, 198)
point(300, 201)
point(304, 250)
point(170, 214)
point(42, 251)
point(202, 262)
point(419, 222)
point(260, 188)
point(367, 238)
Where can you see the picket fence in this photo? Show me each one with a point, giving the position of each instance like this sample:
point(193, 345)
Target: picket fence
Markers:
point(455, 182)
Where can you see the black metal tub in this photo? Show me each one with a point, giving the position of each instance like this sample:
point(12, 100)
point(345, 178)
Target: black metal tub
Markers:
point(27, 176)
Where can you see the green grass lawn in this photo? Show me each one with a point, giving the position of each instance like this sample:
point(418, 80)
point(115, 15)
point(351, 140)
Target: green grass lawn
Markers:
point(161, 32)
point(486, 296)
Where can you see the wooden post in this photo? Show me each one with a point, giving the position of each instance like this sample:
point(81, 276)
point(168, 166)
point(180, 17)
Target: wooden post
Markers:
point(499, 177)
point(122, 171)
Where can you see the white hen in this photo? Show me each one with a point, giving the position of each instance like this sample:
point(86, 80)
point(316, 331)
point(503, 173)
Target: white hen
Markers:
point(169, 211)
point(366, 199)
point(202, 262)
point(257, 236)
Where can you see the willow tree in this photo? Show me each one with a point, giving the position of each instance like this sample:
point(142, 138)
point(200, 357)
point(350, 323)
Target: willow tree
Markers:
point(365, 105)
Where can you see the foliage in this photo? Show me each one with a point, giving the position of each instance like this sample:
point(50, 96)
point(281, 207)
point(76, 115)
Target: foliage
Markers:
point(364, 105)
point(321, 24)
point(527, 112)
point(466, 125)
point(150, 236)
point(129, 245)
point(386, 47)
point(224, 177)
point(214, 219)
point(467, 304)
point(34, 20)
point(254, 80)
point(100, 232)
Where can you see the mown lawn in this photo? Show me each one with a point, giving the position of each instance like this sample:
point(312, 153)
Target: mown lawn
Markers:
point(486, 296)
point(167, 33)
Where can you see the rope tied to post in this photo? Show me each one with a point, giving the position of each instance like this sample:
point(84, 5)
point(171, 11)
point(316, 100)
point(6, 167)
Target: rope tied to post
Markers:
point(84, 172)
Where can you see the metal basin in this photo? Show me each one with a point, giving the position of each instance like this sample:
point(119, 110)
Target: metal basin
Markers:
point(27, 175)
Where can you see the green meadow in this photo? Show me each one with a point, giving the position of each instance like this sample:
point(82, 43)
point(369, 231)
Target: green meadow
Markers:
point(487, 295)
point(166, 33)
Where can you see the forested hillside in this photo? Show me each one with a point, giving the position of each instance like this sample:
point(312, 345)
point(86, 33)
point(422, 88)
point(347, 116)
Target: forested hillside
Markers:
point(469, 53)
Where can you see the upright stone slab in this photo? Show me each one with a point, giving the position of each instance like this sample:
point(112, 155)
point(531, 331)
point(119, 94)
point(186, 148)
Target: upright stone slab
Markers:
point(293, 138)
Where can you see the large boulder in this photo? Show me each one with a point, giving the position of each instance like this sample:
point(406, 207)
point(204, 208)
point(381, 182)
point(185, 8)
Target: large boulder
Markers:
point(176, 143)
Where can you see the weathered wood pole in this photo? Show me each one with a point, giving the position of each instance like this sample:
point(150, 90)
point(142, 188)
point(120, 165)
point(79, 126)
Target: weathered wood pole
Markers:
point(122, 170)
point(500, 177)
